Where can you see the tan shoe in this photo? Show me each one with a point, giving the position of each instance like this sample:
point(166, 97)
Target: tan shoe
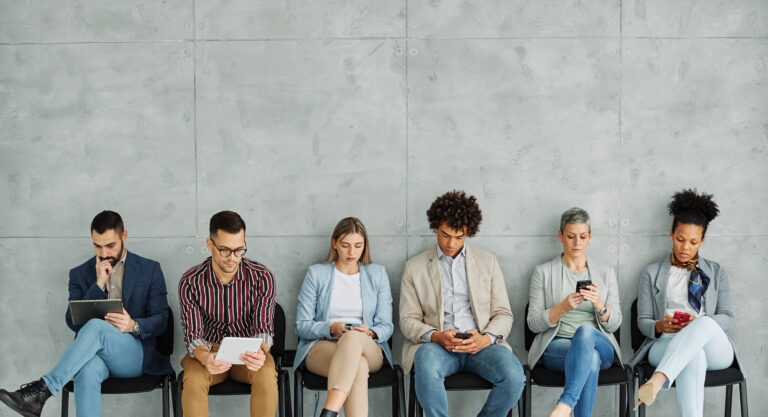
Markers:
point(646, 394)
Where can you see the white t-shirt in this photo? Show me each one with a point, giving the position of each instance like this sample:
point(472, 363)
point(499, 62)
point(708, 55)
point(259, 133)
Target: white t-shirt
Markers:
point(346, 298)
point(677, 293)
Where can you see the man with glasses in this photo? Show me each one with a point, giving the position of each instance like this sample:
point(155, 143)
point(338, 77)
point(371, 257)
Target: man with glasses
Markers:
point(120, 345)
point(227, 295)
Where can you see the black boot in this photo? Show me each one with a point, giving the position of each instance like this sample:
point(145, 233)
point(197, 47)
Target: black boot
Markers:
point(28, 400)
point(328, 413)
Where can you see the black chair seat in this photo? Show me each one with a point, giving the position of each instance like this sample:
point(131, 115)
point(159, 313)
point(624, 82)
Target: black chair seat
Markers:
point(384, 377)
point(544, 377)
point(466, 381)
point(727, 376)
point(230, 387)
point(144, 383)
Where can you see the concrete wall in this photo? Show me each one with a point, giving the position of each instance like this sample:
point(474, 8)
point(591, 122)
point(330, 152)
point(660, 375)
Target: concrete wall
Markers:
point(299, 113)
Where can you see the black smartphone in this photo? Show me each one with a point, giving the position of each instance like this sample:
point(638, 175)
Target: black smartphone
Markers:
point(461, 335)
point(582, 285)
point(350, 326)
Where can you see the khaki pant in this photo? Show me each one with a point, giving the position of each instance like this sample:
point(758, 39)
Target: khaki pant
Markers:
point(197, 381)
point(346, 363)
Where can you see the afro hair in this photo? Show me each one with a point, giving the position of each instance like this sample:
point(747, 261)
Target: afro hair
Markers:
point(689, 207)
point(457, 210)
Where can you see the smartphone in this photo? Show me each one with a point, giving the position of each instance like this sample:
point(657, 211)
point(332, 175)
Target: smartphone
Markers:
point(462, 335)
point(680, 317)
point(582, 285)
point(350, 326)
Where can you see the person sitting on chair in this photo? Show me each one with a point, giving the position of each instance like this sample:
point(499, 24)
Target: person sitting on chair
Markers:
point(122, 345)
point(227, 295)
point(344, 319)
point(574, 307)
point(682, 285)
point(455, 315)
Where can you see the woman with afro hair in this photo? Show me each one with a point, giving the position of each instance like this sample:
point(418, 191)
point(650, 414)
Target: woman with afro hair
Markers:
point(684, 309)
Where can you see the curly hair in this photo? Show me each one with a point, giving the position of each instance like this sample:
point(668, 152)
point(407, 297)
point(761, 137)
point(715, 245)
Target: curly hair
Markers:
point(689, 207)
point(457, 210)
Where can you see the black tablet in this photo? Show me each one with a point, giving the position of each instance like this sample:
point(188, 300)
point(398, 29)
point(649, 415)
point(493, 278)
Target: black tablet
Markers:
point(84, 310)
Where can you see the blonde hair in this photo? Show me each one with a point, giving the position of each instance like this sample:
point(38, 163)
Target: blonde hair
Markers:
point(348, 226)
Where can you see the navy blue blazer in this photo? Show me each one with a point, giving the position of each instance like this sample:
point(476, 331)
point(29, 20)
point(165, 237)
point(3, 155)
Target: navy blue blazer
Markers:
point(144, 298)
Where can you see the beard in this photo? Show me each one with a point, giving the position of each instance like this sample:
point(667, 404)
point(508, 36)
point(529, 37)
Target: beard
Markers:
point(114, 260)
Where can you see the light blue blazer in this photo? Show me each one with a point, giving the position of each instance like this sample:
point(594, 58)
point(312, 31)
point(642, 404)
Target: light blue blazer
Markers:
point(312, 323)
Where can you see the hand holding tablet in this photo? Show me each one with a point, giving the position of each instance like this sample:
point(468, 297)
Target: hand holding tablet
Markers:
point(233, 348)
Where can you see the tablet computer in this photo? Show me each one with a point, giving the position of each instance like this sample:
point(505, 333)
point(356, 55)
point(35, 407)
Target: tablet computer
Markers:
point(232, 347)
point(84, 310)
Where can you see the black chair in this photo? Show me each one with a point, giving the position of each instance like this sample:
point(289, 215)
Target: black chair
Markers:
point(728, 376)
point(618, 374)
point(232, 387)
point(461, 381)
point(384, 377)
point(144, 383)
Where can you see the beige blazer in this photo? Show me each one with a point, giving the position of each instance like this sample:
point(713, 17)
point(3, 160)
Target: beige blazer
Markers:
point(421, 299)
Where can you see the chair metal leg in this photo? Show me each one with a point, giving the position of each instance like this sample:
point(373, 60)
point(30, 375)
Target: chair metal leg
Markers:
point(166, 396)
point(411, 397)
point(400, 391)
point(287, 390)
point(396, 398)
point(280, 394)
point(728, 400)
point(527, 393)
point(743, 398)
point(298, 400)
point(623, 400)
point(64, 403)
point(179, 390)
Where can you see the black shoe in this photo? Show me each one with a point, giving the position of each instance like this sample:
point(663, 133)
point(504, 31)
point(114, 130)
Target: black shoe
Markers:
point(28, 400)
point(328, 413)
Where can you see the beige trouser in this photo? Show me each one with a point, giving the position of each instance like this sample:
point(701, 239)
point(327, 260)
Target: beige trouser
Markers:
point(346, 363)
point(197, 381)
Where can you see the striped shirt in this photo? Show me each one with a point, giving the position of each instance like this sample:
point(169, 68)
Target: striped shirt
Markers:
point(211, 311)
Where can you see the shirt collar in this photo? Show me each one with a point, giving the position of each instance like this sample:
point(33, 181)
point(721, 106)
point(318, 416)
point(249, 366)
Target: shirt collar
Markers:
point(442, 256)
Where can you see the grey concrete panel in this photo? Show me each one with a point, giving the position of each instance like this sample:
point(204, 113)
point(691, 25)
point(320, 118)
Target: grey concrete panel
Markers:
point(694, 114)
point(694, 18)
point(516, 18)
point(90, 127)
point(530, 127)
point(87, 21)
point(740, 256)
point(290, 134)
point(244, 19)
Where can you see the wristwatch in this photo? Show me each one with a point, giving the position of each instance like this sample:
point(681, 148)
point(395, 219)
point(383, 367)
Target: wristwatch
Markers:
point(604, 310)
point(136, 329)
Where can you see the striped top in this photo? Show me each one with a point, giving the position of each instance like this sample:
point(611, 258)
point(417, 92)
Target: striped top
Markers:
point(211, 311)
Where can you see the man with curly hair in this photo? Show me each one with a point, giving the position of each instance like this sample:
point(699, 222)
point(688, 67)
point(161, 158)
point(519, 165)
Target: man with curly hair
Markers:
point(455, 315)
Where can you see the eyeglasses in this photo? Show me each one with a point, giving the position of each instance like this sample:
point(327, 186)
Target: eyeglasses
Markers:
point(226, 252)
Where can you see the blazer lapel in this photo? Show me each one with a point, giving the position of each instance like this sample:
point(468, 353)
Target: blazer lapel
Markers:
point(662, 279)
point(437, 284)
point(556, 286)
point(366, 290)
point(130, 275)
point(327, 291)
point(473, 279)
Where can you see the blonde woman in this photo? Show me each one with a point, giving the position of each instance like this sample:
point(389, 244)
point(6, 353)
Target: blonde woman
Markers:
point(344, 319)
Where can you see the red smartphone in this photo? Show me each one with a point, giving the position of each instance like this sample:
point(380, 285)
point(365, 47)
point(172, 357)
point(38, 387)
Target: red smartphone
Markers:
point(680, 317)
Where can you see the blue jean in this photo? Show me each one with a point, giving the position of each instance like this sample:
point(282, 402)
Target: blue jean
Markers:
point(98, 352)
point(581, 358)
point(687, 355)
point(496, 364)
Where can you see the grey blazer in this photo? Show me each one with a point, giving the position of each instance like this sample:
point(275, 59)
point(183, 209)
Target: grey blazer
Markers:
point(544, 293)
point(652, 300)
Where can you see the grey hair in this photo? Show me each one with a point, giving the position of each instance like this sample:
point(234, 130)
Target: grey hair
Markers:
point(574, 215)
